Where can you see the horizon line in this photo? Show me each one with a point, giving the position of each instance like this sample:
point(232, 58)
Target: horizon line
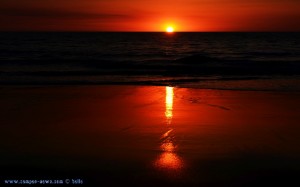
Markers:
point(74, 31)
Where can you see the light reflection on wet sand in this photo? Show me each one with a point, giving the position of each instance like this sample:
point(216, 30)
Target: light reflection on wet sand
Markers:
point(168, 160)
point(169, 104)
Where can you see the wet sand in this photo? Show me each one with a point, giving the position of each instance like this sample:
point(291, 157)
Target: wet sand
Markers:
point(150, 135)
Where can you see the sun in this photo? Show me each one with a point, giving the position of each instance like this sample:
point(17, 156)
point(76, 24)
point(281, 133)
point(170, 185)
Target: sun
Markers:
point(169, 29)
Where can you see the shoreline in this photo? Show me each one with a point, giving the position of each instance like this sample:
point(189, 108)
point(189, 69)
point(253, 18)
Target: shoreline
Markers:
point(280, 84)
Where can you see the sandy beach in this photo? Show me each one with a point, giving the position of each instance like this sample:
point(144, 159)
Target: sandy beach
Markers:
point(150, 135)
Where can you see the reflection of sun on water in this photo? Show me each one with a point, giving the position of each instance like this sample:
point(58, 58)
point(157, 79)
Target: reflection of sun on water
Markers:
point(169, 160)
point(167, 134)
point(169, 104)
point(168, 146)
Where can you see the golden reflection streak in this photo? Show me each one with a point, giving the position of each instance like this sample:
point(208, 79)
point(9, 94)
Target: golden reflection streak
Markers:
point(169, 104)
point(169, 160)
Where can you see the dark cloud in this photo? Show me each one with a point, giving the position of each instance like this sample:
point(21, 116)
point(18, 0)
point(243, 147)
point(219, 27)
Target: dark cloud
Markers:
point(59, 14)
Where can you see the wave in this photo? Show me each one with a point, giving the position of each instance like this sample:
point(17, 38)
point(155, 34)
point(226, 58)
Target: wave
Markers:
point(194, 65)
point(196, 71)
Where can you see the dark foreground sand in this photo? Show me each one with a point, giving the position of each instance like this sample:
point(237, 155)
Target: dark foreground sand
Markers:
point(150, 136)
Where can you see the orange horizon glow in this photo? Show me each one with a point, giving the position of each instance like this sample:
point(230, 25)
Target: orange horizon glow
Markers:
point(149, 16)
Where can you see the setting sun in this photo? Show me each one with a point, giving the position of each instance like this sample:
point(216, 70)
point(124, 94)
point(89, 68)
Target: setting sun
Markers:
point(169, 29)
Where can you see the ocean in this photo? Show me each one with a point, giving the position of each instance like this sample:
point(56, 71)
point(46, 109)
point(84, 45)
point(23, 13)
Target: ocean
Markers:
point(268, 61)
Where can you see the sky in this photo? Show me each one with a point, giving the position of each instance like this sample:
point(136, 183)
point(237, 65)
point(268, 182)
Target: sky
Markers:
point(150, 15)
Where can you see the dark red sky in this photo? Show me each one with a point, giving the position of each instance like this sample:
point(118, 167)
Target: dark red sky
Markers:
point(150, 15)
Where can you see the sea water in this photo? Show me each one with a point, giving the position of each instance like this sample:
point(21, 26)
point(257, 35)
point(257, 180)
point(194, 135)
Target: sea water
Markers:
point(146, 58)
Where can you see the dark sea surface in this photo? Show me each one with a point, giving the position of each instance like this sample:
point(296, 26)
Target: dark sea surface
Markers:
point(205, 60)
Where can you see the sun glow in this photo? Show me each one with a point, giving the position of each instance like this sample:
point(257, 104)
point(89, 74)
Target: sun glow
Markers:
point(169, 29)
